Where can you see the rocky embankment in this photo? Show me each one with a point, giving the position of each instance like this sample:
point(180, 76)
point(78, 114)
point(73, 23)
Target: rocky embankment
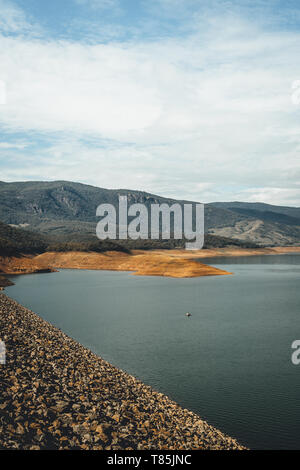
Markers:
point(56, 394)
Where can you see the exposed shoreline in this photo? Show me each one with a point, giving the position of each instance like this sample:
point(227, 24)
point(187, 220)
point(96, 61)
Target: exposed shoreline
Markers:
point(57, 394)
point(170, 263)
point(143, 263)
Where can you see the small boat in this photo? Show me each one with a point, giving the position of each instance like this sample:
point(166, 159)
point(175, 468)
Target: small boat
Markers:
point(188, 314)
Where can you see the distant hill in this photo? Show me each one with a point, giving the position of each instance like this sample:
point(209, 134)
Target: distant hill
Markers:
point(210, 241)
point(264, 224)
point(268, 212)
point(15, 241)
point(63, 206)
point(66, 210)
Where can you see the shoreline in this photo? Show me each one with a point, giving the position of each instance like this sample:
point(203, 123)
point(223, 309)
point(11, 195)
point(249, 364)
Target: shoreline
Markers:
point(169, 263)
point(57, 394)
point(233, 252)
point(140, 263)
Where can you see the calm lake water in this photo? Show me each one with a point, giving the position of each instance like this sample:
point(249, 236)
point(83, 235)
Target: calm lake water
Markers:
point(230, 362)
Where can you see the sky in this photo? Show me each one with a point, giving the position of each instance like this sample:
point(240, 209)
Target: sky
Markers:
point(190, 99)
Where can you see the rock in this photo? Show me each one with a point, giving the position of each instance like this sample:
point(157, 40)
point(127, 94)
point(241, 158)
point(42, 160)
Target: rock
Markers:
point(56, 394)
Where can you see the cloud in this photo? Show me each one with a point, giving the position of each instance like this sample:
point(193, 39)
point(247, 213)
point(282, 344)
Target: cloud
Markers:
point(281, 196)
point(13, 20)
point(102, 90)
point(111, 5)
point(8, 145)
point(148, 92)
point(207, 116)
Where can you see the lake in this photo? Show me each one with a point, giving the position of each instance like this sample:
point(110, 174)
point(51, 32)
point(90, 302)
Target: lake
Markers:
point(230, 362)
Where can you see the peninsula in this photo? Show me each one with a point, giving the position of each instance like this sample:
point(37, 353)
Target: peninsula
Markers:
point(170, 263)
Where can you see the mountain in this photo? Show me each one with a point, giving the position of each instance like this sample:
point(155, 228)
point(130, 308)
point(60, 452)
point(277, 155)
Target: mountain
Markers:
point(62, 206)
point(67, 210)
point(15, 241)
point(264, 224)
point(18, 242)
point(267, 212)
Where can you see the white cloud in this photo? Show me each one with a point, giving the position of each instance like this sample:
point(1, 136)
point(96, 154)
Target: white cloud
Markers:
point(14, 20)
point(197, 117)
point(281, 196)
point(8, 145)
point(118, 91)
point(112, 5)
point(70, 87)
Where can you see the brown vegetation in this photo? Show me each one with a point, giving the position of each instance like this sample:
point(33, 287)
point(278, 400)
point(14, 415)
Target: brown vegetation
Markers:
point(155, 263)
point(160, 263)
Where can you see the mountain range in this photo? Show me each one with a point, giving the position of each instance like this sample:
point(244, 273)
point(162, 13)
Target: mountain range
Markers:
point(67, 210)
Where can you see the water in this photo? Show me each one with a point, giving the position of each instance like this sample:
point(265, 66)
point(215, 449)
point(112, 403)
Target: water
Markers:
point(230, 362)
